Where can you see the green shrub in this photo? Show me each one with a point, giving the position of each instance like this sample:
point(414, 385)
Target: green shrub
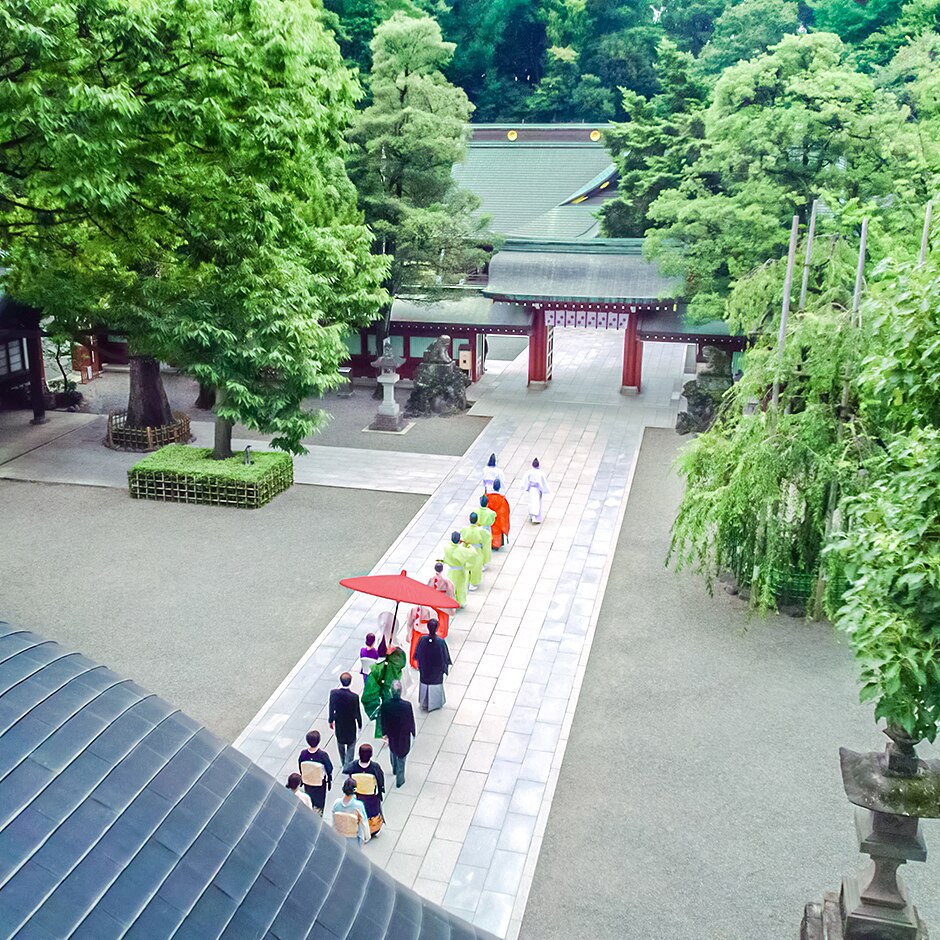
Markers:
point(178, 473)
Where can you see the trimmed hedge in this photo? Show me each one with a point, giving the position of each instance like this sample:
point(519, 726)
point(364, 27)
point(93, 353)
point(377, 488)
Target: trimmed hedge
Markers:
point(181, 474)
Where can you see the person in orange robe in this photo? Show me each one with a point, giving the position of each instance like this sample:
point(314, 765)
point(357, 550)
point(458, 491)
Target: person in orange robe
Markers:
point(440, 582)
point(500, 505)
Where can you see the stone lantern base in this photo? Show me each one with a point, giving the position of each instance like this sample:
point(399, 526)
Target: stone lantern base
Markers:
point(824, 922)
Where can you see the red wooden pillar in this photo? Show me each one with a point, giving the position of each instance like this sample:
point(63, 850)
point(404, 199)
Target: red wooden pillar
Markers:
point(638, 374)
point(632, 357)
point(538, 349)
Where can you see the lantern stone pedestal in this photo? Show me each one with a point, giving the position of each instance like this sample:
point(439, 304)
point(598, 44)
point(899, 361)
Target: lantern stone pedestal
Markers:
point(892, 792)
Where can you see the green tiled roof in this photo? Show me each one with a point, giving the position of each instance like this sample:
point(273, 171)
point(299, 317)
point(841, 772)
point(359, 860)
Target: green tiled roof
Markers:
point(468, 310)
point(674, 323)
point(610, 269)
point(562, 223)
point(517, 182)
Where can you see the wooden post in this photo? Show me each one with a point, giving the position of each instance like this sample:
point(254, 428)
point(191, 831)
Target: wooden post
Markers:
point(632, 350)
point(810, 233)
point(785, 309)
point(538, 348)
point(860, 274)
point(925, 237)
point(638, 366)
point(37, 391)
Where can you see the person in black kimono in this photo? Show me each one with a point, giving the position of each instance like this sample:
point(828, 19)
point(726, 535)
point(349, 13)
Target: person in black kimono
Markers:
point(398, 728)
point(316, 771)
point(434, 663)
point(370, 786)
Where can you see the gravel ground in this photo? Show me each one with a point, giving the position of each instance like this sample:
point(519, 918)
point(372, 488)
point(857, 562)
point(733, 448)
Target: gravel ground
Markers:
point(700, 795)
point(207, 606)
point(450, 436)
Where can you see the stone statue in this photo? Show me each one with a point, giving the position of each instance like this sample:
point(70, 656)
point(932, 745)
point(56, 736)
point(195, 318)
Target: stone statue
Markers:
point(704, 393)
point(440, 386)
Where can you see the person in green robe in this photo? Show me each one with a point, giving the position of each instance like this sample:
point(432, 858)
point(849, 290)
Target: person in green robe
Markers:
point(458, 559)
point(486, 518)
point(472, 535)
point(378, 688)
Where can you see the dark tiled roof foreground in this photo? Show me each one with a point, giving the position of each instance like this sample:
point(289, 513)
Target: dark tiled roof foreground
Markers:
point(121, 816)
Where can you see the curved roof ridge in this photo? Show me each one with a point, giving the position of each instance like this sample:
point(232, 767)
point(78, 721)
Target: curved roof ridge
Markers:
point(133, 819)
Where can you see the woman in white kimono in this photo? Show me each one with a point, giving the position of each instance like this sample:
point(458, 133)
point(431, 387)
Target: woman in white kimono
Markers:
point(388, 627)
point(492, 473)
point(535, 484)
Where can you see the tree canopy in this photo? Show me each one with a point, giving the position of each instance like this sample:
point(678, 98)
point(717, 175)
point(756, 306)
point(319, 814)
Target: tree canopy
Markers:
point(177, 173)
point(405, 145)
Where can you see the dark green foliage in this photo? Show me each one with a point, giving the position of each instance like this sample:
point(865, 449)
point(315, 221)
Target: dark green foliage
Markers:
point(855, 21)
point(745, 30)
point(500, 54)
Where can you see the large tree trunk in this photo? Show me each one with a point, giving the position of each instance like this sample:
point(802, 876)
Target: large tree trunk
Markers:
point(223, 431)
point(206, 397)
point(147, 404)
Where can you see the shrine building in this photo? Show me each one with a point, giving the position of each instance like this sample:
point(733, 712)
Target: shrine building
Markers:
point(541, 186)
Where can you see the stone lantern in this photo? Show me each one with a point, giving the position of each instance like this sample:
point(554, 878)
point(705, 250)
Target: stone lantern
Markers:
point(892, 792)
point(388, 417)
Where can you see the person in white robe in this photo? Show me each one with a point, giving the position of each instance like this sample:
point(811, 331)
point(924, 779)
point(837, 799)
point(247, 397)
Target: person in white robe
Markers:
point(535, 483)
point(492, 473)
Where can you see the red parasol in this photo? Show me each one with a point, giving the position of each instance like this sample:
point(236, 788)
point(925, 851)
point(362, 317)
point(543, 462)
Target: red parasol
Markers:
point(401, 589)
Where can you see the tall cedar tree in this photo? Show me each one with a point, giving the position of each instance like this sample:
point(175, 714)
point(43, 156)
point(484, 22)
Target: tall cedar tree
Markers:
point(177, 173)
point(406, 143)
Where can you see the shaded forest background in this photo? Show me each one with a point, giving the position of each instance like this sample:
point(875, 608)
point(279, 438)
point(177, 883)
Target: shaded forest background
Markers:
point(571, 60)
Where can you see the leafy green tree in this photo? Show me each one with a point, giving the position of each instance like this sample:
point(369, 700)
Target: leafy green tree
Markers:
point(595, 47)
point(761, 482)
point(691, 24)
point(888, 551)
point(205, 210)
point(660, 139)
point(783, 129)
point(406, 144)
point(918, 18)
point(747, 29)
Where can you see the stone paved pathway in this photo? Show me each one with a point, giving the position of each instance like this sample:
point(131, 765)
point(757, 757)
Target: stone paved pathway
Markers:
point(466, 828)
point(69, 450)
